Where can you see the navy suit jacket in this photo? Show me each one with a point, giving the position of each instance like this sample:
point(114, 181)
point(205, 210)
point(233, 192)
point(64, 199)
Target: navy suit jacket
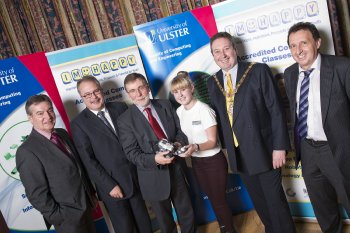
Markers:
point(102, 154)
point(138, 140)
point(335, 104)
point(258, 118)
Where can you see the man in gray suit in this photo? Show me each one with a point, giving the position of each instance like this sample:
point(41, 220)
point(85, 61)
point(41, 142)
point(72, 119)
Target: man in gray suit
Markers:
point(161, 178)
point(318, 88)
point(51, 172)
point(100, 150)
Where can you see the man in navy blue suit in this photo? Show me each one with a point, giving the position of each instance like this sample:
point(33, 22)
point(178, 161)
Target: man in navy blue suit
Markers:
point(253, 129)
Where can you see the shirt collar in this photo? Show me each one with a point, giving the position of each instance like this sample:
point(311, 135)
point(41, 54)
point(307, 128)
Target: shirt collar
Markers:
point(143, 108)
point(316, 65)
point(43, 133)
point(232, 71)
point(95, 112)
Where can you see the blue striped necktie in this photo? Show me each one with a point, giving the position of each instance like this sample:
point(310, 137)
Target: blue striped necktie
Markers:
point(304, 104)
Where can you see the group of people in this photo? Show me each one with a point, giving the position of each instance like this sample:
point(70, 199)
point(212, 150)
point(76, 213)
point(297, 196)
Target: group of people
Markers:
point(115, 146)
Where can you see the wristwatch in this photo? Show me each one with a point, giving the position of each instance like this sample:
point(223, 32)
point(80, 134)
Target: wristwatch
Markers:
point(197, 147)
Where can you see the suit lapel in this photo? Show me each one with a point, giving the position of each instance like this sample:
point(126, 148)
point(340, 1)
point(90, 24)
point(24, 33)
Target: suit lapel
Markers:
point(294, 83)
point(239, 96)
point(142, 123)
point(114, 116)
point(162, 116)
point(52, 149)
point(95, 122)
point(221, 96)
point(326, 80)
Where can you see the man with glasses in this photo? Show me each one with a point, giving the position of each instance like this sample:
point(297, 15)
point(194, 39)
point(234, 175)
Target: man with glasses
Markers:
point(161, 178)
point(98, 142)
point(52, 173)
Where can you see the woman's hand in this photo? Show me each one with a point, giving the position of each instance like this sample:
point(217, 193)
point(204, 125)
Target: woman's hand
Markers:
point(190, 149)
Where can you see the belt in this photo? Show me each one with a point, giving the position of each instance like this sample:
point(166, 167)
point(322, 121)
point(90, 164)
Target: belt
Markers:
point(315, 143)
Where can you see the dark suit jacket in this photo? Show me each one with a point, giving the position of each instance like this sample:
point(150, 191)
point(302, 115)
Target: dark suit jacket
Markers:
point(258, 118)
point(102, 153)
point(54, 183)
point(138, 140)
point(335, 104)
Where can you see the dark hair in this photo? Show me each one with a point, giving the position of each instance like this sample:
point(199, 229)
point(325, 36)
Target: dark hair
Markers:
point(88, 78)
point(307, 26)
point(222, 35)
point(34, 100)
point(133, 77)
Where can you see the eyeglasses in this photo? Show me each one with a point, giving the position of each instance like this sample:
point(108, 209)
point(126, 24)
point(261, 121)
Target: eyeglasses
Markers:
point(139, 89)
point(89, 95)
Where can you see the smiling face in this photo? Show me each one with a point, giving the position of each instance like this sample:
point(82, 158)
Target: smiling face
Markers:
point(304, 48)
point(225, 55)
point(184, 96)
point(42, 116)
point(138, 92)
point(92, 95)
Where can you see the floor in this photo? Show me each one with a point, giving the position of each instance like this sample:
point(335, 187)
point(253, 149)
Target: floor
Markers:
point(250, 223)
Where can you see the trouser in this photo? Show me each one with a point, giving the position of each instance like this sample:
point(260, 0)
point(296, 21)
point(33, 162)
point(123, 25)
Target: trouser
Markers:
point(325, 184)
point(211, 173)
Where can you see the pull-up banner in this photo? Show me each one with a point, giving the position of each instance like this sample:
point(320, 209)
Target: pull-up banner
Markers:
point(20, 78)
point(108, 60)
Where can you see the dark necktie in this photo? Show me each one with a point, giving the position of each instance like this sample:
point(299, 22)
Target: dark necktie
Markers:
point(154, 124)
point(304, 104)
point(101, 115)
point(55, 139)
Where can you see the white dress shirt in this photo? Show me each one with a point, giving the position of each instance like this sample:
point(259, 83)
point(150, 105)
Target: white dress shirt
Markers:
point(108, 117)
point(233, 73)
point(315, 129)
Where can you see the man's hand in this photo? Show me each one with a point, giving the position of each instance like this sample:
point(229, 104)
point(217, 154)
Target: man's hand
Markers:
point(160, 159)
point(116, 192)
point(278, 158)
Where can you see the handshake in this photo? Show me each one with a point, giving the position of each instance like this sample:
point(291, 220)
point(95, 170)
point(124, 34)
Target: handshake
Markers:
point(164, 145)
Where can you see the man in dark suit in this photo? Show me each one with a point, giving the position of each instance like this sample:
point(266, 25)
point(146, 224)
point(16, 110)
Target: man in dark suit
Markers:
point(97, 140)
point(318, 89)
point(51, 172)
point(161, 179)
point(253, 130)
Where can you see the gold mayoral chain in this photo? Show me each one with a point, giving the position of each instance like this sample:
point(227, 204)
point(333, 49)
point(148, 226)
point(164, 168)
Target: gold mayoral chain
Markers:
point(229, 95)
point(235, 90)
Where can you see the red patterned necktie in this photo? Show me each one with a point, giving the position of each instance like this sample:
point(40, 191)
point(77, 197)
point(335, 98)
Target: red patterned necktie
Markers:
point(154, 124)
point(55, 139)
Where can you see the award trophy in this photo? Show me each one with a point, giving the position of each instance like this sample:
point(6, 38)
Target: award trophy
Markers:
point(165, 145)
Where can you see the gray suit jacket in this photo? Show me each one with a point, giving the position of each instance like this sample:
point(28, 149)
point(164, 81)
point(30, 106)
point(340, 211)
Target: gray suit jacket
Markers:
point(258, 119)
point(138, 140)
point(335, 104)
point(54, 183)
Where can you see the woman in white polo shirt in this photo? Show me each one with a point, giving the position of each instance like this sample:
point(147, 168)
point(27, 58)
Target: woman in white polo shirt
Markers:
point(198, 122)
